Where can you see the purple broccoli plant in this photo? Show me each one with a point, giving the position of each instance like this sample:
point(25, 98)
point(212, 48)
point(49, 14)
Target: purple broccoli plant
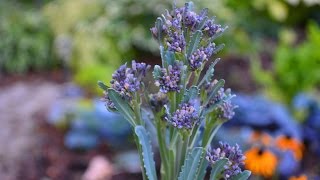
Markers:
point(188, 106)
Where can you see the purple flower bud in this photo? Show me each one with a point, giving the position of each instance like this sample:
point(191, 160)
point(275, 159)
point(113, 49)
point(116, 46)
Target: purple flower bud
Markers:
point(158, 100)
point(226, 110)
point(185, 117)
point(109, 104)
point(191, 19)
point(200, 56)
point(170, 79)
point(232, 153)
point(140, 69)
point(154, 32)
point(212, 28)
point(176, 42)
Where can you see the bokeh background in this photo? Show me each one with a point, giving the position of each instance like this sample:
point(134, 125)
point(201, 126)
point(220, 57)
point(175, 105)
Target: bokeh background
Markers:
point(53, 124)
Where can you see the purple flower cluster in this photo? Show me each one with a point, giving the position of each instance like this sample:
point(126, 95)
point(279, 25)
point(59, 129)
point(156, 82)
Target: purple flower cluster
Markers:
point(221, 94)
point(232, 153)
point(200, 56)
point(176, 42)
point(126, 81)
point(181, 19)
point(158, 100)
point(226, 110)
point(139, 69)
point(185, 117)
point(170, 79)
point(175, 39)
point(211, 28)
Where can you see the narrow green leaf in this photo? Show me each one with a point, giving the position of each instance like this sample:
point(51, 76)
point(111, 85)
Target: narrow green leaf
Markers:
point(217, 169)
point(202, 23)
point(207, 78)
point(242, 176)
point(204, 16)
point(202, 169)
point(122, 106)
point(169, 57)
point(213, 106)
point(192, 93)
point(159, 25)
point(191, 164)
point(218, 48)
point(189, 5)
point(147, 153)
point(103, 86)
point(217, 34)
point(215, 89)
point(156, 72)
point(167, 109)
point(163, 62)
point(194, 42)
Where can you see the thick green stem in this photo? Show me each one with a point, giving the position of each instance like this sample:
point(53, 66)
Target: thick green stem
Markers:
point(196, 77)
point(174, 138)
point(194, 135)
point(171, 170)
point(172, 150)
point(207, 131)
point(162, 146)
point(173, 101)
point(213, 133)
point(173, 104)
point(183, 152)
point(137, 109)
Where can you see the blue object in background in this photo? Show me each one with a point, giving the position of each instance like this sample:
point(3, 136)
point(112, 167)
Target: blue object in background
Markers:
point(263, 115)
point(73, 91)
point(112, 127)
point(81, 140)
point(312, 128)
point(89, 123)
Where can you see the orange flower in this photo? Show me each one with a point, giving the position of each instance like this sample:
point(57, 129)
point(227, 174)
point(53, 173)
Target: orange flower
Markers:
point(301, 177)
point(263, 138)
point(260, 162)
point(288, 143)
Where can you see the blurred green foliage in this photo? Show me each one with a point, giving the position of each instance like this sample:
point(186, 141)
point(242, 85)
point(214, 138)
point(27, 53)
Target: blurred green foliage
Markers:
point(26, 40)
point(103, 33)
point(295, 68)
point(252, 22)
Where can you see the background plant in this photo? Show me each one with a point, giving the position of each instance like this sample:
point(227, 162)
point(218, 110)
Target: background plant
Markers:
point(26, 40)
point(188, 109)
point(295, 68)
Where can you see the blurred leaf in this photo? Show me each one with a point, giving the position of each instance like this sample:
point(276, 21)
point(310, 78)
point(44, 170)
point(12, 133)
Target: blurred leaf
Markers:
point(194, 42)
